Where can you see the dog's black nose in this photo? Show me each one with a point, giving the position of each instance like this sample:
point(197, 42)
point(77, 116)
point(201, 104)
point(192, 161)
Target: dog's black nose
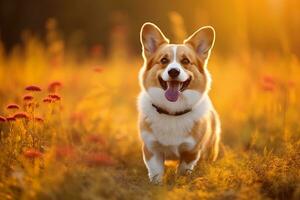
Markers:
point(174, 72)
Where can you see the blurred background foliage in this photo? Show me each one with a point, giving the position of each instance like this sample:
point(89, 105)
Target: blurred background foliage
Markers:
point(269, 26)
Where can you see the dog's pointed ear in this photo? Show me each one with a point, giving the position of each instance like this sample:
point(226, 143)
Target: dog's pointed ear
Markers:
point(151, 38)
point(202, 41)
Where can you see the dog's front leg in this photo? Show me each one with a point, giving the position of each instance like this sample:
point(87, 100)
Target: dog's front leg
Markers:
point(154, 161)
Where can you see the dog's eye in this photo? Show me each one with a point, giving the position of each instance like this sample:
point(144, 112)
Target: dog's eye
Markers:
point(185, 61)
point(164, 61)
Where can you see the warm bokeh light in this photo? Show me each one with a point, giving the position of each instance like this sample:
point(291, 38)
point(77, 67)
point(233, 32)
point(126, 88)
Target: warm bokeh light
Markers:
point(69, 82)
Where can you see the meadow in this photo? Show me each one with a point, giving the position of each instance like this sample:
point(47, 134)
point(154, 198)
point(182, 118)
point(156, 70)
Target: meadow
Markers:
point(68, 127)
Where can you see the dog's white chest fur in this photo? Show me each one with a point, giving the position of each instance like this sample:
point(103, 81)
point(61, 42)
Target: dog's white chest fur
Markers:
point(171, 130)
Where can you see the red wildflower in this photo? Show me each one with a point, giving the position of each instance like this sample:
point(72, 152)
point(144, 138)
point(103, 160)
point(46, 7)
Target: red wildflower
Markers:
point(268, 87)
point(268, 83)
point(95, 139)
point(64, 151)
point(13, 106)
point(33, 88)
point(54, 97)
point(54, 86)
point(98, 69)
point(10, 119)
point(47, 100)
point(2, 119)
point(96, 50)
point(27, 97)
point(77, 117)
point(38, 119)
point(21, 115)
point(99, 159)
point(269, 79)
point(291, 84)
point(32, 153)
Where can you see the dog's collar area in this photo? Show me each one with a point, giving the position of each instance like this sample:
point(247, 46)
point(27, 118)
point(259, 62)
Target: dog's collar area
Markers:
point(163, 111)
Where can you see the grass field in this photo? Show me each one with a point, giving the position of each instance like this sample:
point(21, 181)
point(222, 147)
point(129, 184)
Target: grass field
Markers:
point(77, 138)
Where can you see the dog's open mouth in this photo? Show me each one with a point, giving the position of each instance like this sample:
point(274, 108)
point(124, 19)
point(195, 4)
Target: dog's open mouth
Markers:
point(173, 88)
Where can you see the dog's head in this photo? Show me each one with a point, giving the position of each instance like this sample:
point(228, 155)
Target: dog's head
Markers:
point(175, 75)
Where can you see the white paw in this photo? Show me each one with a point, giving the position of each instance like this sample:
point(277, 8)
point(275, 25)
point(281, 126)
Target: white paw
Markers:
point(156, 179)
point(185, 169)
point(185, 172)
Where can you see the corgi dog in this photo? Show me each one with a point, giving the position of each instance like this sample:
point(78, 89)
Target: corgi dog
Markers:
point(176, 117)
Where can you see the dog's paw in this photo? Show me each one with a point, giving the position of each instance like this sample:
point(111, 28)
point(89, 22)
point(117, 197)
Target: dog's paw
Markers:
point(185, 172)
point(156, 179)
point(184, 169)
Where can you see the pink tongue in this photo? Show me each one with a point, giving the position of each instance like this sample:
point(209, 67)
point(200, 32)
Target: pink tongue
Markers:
point(172, 92)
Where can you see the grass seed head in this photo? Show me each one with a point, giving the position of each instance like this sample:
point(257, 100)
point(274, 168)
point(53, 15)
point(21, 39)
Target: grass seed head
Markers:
point(21, 115)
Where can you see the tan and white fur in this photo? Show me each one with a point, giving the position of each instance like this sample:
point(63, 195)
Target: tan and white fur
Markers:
point(175, 79)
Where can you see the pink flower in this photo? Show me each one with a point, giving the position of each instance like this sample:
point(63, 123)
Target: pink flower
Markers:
point(54, 86)
point(269, 79)
point(21, 115)
point(77, 117)
point(291, 84)
point(268, 83)
point(33, 153)
point(54, 97)
point(38, 119)
point(268, 87)
point(10, 119)
point(98, 69)
point(95, 139)
point(33, 88)
point(96, 50)
point(64, 151)
point(28, 98)
point(47, 100)
point(2, 119)
point(13, 106)
point(99, 159)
